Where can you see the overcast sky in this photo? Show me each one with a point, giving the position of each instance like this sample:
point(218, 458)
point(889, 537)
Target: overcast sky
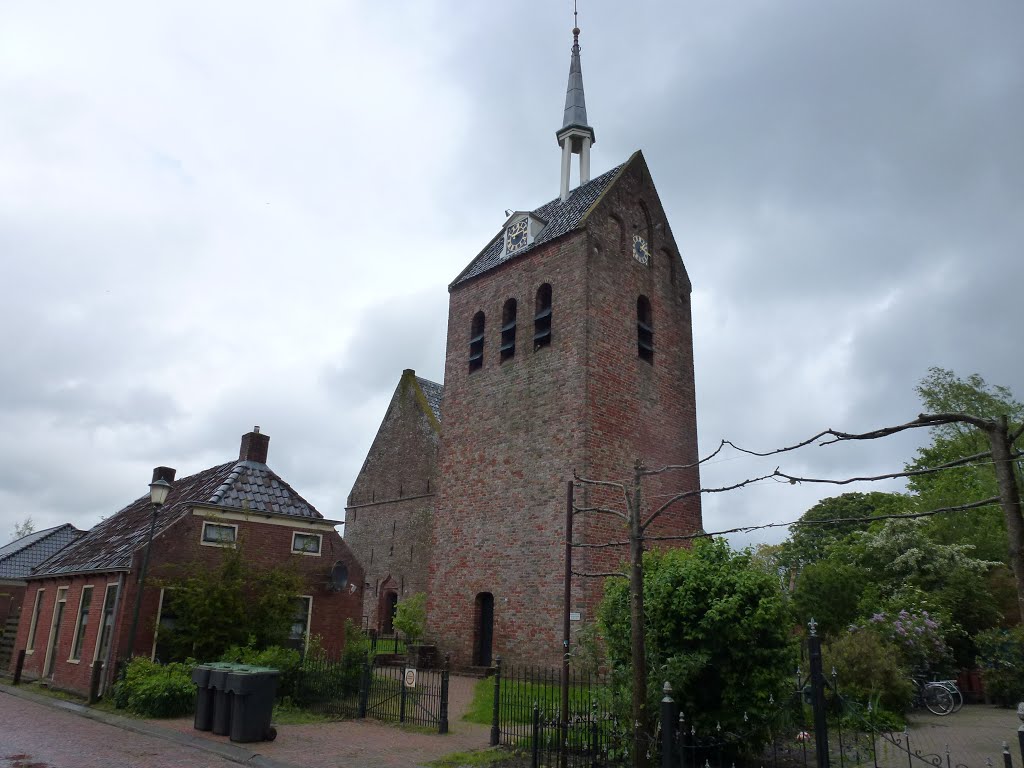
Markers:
point(215, 215)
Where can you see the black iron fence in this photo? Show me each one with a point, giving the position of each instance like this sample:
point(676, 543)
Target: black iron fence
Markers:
point(399, 694)
point(527, 715)
point(810, 726)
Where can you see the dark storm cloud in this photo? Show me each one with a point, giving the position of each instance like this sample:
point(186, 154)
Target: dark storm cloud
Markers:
point(189, 250)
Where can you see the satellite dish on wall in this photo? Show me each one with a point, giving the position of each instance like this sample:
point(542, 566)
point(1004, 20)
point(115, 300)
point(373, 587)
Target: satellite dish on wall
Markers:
point(339, 576)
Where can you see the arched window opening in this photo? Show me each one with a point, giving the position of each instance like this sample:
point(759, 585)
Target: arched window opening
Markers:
point(339, 576)
point(542, 318)
point(644, 329)
point(483, 629)
point(508, 330)
point(476, 342)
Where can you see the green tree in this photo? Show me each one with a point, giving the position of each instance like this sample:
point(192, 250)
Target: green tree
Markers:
point(829, 591)
point(814, 534)
point(942, 391)
point(411, 616)
point(234, 604)
point(717, 627)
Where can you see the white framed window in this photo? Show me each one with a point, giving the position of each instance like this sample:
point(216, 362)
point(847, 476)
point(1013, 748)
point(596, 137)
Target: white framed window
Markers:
point(105, 626)
point(166, 621)
point(81, 623)
point(36, 609)
point(298, 637)
point(219, 535)
point(306, 543)
point(55, 624)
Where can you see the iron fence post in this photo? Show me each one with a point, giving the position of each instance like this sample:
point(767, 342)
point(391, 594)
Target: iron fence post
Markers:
point(442, 726)
point(495, 721)
point(818, 697)
point(364, 685)
point(668, 722)
point(535, 741)
point(1020, 731)
point(401, 698)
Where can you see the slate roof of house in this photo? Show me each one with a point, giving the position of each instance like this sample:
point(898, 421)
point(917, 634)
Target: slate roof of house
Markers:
point(241, 485)
point(433, 392)
point(561, 216)
point(18, 558)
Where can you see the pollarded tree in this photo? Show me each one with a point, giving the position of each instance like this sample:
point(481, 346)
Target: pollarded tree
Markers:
point(717, 627)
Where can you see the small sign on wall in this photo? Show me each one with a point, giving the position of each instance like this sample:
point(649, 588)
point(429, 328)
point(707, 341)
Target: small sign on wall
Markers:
point(410, 677)
point(574, 616)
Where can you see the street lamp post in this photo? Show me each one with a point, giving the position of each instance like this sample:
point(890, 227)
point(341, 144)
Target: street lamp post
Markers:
point(158, 490)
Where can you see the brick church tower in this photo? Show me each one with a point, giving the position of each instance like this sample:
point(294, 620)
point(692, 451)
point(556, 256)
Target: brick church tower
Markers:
point(569, 349)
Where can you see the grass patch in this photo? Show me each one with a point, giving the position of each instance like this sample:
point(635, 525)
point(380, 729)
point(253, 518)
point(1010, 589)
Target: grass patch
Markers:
point(53, 693)
point(488, 757)
point(286, 713)
point(481, 708)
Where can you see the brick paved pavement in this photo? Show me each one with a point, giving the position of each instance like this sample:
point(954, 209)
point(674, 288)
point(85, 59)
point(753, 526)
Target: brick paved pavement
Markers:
point(363, 743)
point(40, 735)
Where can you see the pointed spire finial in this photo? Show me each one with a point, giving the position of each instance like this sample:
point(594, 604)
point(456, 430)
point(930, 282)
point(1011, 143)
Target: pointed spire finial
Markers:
point(576, 136)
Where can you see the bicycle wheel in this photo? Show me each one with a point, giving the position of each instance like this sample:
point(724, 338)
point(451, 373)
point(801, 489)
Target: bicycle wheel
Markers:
point(954, 691)
point(938, 700)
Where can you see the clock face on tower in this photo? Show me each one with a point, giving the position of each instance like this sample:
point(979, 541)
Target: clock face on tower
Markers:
point(640, 250)
point(515, 236)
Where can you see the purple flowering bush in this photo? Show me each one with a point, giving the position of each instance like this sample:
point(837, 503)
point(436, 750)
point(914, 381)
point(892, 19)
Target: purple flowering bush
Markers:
point(917, 639)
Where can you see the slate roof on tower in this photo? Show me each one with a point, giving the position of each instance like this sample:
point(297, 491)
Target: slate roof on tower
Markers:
point(243, 485)
point(562, 217)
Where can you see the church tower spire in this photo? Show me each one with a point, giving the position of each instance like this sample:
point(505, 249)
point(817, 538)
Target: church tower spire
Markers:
point(575, 136)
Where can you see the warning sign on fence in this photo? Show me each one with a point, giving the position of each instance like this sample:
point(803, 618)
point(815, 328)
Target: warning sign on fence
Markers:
point(410, 677)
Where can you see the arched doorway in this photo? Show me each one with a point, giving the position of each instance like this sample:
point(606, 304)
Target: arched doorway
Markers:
point(389, 604)
point(483, 635)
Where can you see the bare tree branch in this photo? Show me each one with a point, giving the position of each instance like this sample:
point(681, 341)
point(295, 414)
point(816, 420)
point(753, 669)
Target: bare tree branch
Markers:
point(994, 500)
point(601, 510)
point(688, 494)
point(672, 467)
point(616, 574)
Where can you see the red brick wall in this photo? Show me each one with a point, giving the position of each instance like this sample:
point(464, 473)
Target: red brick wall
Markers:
point(11, 597)
point(388, 518)
point(515, 431)
point(177, 546)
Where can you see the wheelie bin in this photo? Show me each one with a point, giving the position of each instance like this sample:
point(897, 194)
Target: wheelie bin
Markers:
point(252, 690)
point(206, 694)
point(222, 697)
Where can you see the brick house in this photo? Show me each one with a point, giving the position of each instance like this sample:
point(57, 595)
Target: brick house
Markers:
point(80, 602)
point(17, 559)
point(388, 515)
point(569, 350)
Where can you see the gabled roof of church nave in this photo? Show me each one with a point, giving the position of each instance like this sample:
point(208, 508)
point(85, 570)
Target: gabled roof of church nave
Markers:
point(562, 217)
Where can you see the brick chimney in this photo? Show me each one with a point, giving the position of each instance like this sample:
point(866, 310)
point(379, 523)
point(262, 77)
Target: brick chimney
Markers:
point(254, 447)
point(163, 473)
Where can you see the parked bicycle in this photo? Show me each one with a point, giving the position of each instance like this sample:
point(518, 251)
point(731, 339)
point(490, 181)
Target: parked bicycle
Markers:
point(940, 697)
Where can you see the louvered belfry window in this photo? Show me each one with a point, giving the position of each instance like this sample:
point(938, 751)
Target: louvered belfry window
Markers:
point(542, 318)
point(476, 342)
point(508, 330)
point(644, 329)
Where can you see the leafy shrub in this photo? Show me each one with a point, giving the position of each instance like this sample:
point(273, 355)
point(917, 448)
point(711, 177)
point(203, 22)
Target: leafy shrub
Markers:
point(154, 690)
point(285, 660)
point(1001, 659)
point(867, 671)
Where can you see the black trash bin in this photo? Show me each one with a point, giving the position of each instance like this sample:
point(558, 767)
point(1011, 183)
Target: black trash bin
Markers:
point(222, 698)
point(252, 690)
point(204, 698)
